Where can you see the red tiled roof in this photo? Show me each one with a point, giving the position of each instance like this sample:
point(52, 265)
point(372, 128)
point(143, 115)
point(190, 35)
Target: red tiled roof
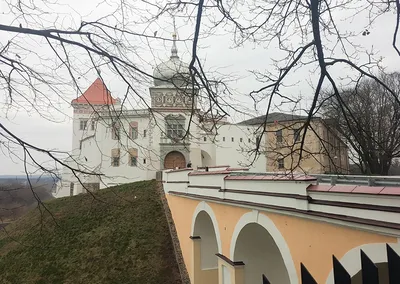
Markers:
point(356, 189)
point(237, 169)
point(96, 94)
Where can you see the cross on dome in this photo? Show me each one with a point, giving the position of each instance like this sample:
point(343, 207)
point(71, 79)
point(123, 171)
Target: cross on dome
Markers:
point(173, 72)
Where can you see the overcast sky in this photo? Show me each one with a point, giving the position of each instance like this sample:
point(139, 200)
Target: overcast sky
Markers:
point(217, 52)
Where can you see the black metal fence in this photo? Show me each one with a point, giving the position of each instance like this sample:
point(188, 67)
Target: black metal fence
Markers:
point(369, 271)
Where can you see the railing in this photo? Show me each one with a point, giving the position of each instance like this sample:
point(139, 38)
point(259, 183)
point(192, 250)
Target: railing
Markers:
point(340, 179)
point(369, 271)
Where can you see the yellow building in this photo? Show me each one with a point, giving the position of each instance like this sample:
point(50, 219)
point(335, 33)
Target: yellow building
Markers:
point(323, 151)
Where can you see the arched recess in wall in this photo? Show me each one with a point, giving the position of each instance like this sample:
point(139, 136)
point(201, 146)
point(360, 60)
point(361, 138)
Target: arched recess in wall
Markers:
point(351, 261)
point(206, 160)
point(205, 225)
point(258, 243)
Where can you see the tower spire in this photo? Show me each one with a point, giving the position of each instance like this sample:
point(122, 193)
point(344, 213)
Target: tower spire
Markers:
point(174, 50)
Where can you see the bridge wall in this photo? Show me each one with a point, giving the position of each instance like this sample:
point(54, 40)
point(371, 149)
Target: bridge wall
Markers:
point(310, 239)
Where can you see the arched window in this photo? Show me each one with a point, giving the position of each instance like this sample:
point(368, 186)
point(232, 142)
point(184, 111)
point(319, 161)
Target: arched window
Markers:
point(115, 157)
point(133, 157)
point(133, 130)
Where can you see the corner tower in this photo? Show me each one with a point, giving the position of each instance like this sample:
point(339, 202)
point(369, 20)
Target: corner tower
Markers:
point(86, 107)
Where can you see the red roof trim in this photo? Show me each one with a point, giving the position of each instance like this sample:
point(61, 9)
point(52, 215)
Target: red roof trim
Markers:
point(179, 170)
point(356, 189)
point(209, 173)
point(269, 177)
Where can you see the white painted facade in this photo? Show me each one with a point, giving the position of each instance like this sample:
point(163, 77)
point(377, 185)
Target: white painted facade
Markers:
point(94, 146)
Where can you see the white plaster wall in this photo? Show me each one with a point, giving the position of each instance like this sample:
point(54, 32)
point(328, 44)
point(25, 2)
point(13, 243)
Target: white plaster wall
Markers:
point(63, 186)
point(78, 134)
point(288, 187)
point(210, 180)
point(195, 155)
point(235, 154)
point(226, 275)
point(125, 173)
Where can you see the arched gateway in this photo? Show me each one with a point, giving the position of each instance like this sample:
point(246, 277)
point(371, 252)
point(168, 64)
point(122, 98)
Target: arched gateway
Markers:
point(174, 159)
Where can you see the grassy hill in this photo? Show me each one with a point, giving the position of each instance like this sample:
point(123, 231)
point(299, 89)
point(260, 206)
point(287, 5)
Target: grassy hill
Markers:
point(119, 236)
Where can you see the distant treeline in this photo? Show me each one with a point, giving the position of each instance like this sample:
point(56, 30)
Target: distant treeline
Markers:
point(17, 195)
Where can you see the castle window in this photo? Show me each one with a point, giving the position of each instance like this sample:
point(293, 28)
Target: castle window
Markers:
point(296, 134)
point(93, 124)
point(281, 163)
point(175, 126)
point(175, 130)
point(133, 161)
point(241, 139)
point(249, 140)
point(205, 139)
point(83, 124)
point(233, 139)
point(71, 189)
point(223, 139)
point(144, 161)
point(144, 133)
point(115, 157)
point(115, 131)
point(115, 161)
point(133, 130)
point(279, 137)
point(133, 157)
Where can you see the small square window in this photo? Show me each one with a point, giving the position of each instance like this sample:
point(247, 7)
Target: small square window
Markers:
point(133, 161)
point(281, 163)
point(205, 139)
point(115, 161)
point(144, 133)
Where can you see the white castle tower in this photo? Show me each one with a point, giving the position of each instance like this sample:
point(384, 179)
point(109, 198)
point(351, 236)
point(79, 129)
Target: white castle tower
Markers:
point(97, 98)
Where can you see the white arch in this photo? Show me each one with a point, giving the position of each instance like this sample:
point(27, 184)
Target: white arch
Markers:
point(264, 221)
point(351, 261)
point(203, 206)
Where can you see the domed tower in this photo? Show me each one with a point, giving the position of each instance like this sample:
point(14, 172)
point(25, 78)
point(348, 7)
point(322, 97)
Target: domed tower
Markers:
point(173, 87)
point(173, 99)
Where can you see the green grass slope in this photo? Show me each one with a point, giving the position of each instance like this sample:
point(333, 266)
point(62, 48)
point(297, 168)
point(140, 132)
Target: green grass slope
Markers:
point(120, 236)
